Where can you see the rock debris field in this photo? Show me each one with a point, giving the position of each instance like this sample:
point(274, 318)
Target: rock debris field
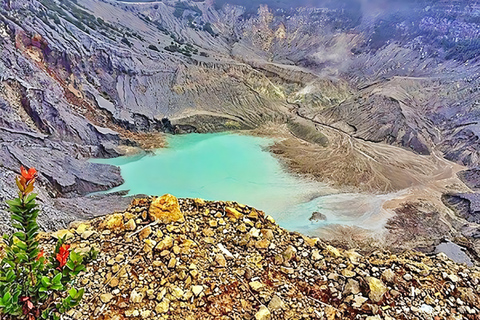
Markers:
point(169, 258)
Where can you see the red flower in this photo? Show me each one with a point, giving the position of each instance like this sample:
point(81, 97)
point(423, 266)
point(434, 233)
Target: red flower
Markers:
point(62, 255)
point(26, 179)
point(28, 175)
point(40, 255)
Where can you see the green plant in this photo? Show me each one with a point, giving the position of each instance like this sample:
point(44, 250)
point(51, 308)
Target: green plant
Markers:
point(32, 286)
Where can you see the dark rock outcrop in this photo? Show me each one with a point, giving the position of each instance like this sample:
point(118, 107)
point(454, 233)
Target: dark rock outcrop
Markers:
point(466, 204)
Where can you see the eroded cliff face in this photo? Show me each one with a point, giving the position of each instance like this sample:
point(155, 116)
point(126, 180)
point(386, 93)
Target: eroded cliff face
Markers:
point(388, 94)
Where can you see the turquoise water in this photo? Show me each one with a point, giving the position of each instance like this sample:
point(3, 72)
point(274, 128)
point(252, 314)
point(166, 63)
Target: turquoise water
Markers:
point(233, 167)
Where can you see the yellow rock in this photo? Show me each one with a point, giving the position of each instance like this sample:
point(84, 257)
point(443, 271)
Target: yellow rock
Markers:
point(334, 252)
point(145, 233)
point(128, 215)
point(267, 233)
point(63, 233)
point(130, 225)
point(149, 245)
point(253, 215)
point(189, 243)
point(106, 297)
point(177, 292)
point(242, 227)
point(199, 202)
point(163, 306)
point(311, 241)
point(348, 273)
point(165, 209)
point(263, 314)
point(82, 228)
point(165, 244)
point(114, 222)
point(262, 244)
point(353, 256)
point(269, 218)
point(256, 285)
point(172, 263)
point(233, 213)
point(377, 289)
point(136, 297)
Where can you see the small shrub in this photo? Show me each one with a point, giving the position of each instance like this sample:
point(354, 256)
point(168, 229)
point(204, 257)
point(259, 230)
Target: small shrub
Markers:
point(33, 285)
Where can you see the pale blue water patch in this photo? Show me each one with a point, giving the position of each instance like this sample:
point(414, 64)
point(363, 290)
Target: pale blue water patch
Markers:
point(233, 167)
point(454, 252)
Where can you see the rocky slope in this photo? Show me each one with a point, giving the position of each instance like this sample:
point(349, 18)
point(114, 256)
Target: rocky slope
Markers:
point(384, 95)
point(165, 258)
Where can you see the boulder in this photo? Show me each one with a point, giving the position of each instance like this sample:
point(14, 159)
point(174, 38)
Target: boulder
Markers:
point(317, 216)
point(165, 209)
point(377, 289)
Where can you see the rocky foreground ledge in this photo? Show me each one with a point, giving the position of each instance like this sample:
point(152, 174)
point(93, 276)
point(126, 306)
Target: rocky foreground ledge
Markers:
point(165, 258)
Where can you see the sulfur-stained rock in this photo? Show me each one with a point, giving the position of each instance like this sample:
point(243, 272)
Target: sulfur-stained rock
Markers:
point(165, 209)
point(106, 297)
point(165, 244)
point(332, 251)
point(149, 245)
point(263, 313)
point(256, 285)
point(348, 273)
point(262, 244)
point(163, 306)
point(145, 233)
point(276, 303)
point(130, 225)
point(197, 290)
point(136, 297)
point(67, 234)
point(177, 292)
point(199, 202)
point(172, 263)
point(233, 213)
point(114, 222)
point(87, 234)
point(220, 260)
point(359, 300)
point(82, 227)
point(353, 256)
point(311, 241)
point(377, 289)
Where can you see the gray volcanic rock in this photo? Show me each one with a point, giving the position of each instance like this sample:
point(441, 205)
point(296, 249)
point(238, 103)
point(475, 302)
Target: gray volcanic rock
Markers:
point(471, 178)
point(467, 204)
point(317, 216)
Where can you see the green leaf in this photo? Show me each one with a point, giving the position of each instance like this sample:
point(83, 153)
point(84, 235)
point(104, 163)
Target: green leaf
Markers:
point(15, 202)
point(31, 197)
point(17, 226)
point(57, 279)
point(79, 268)
point(7, 298)
point(18, 218)
point(73, 293)
point(79, 295)
point(70, 265)
point(21, 245)
point(46, 281)
point(57, 287)
point(20, 235)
